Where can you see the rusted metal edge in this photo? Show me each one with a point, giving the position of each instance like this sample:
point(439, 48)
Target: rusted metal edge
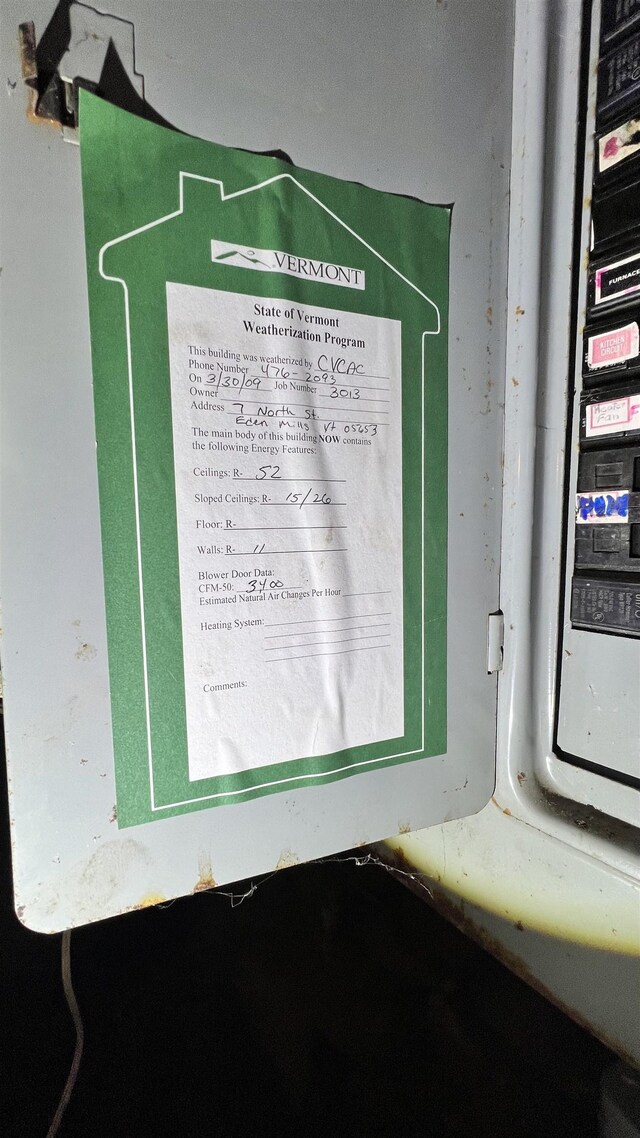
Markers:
point(28, 65)
point(455, 913)
point(44, 107)
point(27, 50)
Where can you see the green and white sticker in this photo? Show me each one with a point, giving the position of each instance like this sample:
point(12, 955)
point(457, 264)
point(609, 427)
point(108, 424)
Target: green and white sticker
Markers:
point(269, 364)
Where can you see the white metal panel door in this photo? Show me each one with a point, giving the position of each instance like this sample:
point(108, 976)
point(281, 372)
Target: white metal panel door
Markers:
point(414, 100)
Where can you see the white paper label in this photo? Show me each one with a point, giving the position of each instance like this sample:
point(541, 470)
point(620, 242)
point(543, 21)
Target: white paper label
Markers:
point(288, 474)
point(618, 145)
point(602, 507)
point(613, 416)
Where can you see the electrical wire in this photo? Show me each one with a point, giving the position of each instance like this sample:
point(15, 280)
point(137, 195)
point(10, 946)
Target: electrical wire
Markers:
point(416, 878)
point(235, 899)
point(70, 996)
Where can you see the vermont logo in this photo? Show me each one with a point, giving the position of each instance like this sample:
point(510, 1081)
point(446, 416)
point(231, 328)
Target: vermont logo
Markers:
point(275, 261)
point(237, 257)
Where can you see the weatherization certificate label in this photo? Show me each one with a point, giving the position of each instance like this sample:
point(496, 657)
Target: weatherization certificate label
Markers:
point(286, 423)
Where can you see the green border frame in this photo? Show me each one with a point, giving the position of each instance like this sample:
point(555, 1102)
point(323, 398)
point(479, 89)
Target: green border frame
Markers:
point(129, 488)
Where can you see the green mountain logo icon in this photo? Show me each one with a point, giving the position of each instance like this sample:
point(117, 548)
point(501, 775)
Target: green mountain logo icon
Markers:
point(248, 256)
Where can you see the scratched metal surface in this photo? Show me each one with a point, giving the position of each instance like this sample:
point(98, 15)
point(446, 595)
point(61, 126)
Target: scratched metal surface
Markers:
point(414, 99)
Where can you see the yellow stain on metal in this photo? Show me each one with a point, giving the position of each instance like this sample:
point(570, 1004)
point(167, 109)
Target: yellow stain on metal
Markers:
point(206, 880)
point(527, 879)
point(150, 900)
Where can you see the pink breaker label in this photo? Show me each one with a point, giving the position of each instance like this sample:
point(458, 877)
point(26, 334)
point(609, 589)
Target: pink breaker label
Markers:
point(610, 348)
point(613, 416)
point(618, 145)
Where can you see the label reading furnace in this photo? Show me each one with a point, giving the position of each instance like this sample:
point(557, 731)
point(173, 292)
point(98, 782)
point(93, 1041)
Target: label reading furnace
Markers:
point(622, 278)
point(288, 467)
